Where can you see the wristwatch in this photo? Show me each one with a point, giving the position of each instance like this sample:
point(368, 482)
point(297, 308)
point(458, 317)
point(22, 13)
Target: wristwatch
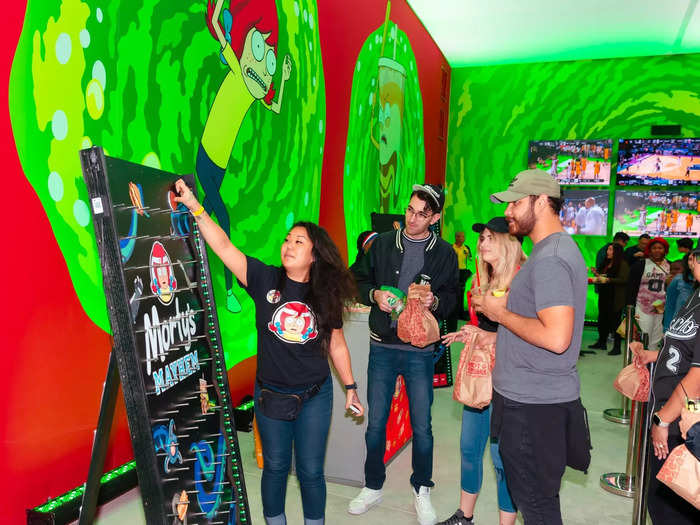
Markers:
point(351, 387)
point(657, 421)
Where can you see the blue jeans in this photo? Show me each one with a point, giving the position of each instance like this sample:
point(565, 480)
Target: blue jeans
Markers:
point(385, 365)
point(472, 443)
point(309, 433)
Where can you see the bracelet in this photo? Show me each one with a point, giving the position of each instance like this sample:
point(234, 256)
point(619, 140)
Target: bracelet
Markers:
point(198, 211)
point(351, 387)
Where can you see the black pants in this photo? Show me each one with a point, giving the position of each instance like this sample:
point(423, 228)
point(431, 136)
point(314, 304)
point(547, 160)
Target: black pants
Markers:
point(608, 319)
point(664, 505)
point(459, 312)
point(533, 446)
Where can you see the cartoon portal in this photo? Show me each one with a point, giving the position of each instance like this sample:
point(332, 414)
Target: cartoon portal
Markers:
point(249, 48)
point(293, 322)
point(163, 282)
point(166, 440)
point(207, 470)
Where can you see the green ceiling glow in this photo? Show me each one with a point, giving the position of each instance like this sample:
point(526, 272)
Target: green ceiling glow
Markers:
point(477, 32)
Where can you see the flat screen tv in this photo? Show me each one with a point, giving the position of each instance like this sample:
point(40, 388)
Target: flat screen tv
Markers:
point(658, 213)
point(585, 212)
point(579, 162)
point(658, 162)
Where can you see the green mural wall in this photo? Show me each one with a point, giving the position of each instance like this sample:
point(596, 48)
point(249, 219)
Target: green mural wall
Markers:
point(139, 78)
point(496, 110)
point(385, 151)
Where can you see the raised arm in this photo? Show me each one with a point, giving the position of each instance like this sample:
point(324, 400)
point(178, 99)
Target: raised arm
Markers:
point(232, 257)
point(215, 23)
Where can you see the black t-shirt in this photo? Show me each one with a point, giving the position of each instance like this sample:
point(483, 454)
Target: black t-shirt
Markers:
point(681, 350)
point(289, 344)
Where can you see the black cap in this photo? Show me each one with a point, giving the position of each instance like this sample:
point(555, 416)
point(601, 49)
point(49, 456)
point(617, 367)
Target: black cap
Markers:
point(436, 193)
point(497, 224)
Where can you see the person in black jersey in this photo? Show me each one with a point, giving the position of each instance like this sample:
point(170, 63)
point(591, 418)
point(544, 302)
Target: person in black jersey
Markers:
point(299, 322)
point(676, 374)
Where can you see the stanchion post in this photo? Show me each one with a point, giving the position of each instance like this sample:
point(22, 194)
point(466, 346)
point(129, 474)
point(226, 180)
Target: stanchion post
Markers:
point(622, 415)
point(639, 516)
point(625, 483)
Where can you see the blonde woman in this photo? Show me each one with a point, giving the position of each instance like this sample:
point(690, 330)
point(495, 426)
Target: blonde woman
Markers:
point(500, 257)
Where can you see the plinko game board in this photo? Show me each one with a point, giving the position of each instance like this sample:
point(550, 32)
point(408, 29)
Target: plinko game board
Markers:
point(585, 162)
point(671, 162)
point(167, 345)
point(658, 213)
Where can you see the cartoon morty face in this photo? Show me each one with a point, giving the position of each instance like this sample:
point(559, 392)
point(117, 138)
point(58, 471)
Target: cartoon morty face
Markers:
point(294, 325)
point(389, 131)
point(258, 63)
point(163, 282)
point(293, 322)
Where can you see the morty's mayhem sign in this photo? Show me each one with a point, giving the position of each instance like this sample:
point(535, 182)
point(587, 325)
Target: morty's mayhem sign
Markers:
point(167, 343)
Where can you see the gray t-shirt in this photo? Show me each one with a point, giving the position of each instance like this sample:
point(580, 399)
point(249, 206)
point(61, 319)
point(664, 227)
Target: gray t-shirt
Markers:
point(412, 262)
point(554, 275)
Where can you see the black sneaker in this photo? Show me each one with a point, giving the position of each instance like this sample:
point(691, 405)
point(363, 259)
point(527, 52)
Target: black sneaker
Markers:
point(456, 519)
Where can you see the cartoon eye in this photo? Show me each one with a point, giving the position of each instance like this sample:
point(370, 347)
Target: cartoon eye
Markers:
point(271, 62)
point(258, 44)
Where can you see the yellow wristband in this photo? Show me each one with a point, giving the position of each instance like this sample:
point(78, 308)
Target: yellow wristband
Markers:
point(198, 211)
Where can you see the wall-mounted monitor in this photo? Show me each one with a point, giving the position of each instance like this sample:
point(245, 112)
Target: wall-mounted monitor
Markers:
point(585, 212)
point(666, 162)
point(584, 162)
point(658, 213)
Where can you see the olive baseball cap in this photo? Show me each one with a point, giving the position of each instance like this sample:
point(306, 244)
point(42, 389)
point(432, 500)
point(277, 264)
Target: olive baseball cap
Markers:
point(528, 182)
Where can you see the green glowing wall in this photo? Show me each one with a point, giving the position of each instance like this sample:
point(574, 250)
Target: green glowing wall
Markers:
point(496, 110)
point(138, 78)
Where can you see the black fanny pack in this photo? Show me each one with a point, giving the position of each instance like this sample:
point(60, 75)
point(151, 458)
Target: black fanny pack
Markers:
point(283, 406)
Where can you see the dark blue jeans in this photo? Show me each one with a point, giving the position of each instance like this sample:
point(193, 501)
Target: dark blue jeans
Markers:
point(309, 433)
point(385, 365)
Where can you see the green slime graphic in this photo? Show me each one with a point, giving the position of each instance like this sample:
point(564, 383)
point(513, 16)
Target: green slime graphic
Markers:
point(138, 78)
point(495, 111)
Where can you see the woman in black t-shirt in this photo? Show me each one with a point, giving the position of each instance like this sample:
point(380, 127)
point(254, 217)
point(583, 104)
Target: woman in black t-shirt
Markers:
point(677, 368)
point(299, 319)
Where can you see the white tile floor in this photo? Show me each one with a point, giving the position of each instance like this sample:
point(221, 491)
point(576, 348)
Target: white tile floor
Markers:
point(583, 501)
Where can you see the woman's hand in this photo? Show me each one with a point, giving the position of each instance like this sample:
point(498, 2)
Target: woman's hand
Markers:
point(645, 356)
point(185, 195)
point(352, 399)
point(452, 337)
point(659, 438)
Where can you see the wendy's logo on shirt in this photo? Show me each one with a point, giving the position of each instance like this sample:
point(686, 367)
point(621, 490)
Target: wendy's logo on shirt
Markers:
point(293, 322)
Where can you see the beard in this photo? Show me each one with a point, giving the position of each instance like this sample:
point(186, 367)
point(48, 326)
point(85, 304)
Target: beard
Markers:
point(523, 226)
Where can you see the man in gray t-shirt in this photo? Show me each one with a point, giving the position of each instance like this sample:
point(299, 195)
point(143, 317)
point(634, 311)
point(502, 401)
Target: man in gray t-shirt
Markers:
point(536, 384)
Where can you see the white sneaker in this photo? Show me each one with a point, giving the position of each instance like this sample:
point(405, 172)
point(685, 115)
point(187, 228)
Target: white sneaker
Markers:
point(365, 500)
point(424, 509)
